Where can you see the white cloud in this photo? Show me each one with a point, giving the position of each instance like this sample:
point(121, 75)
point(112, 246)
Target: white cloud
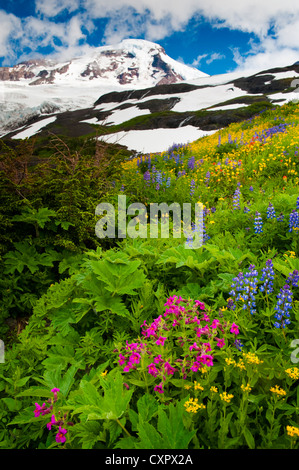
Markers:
point(215, 56)
point(52, 8)
point(155, 20)
point(198, 60)
point(17, 35)
point(160, 18)
point(10, 30)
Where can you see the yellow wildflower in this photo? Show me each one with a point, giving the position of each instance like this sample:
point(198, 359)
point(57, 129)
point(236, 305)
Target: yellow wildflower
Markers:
point(241, 365)
point(230, 361)
point(293, 373)
point(293, 431)
point(192, 405)
point(245, 388)
point(252, 358)
point(226, 397)
point(214, 389)
point(197, 386)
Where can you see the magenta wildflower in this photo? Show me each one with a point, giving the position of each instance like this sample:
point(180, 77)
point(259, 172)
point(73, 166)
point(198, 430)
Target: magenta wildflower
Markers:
point(52, 422)
point(215, 323)
point(195, 366)
point(41, 410)
point(220, 342)
point(199, 304)
point(169, 369)
point(161, 340)
point(134, 358)
point(207, 360)
point(152, 369)
point(234, 329)
point(151, 331)
point(60, 436)
point(158, 359)
point(202, 331)
point(122, 360)
point(128, 367)
point(207, 347)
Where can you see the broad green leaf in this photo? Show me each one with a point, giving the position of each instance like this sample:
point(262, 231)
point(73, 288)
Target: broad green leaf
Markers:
point(172, 428)
point(249, 438)
point(119, 278)
point(54, 378)
point(36, 392)
point(147, 406)
point(12, 404)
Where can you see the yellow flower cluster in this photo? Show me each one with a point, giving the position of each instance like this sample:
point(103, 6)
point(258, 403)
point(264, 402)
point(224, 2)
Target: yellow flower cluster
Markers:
point(197, 386)
point(291, 254)
point(246, 388)
point(293, 373)
point(214, 389)
point(278, 391)
point(230, 361)
point(293, 431)
point(239, 364)
point(192, 405)
point(227, 397)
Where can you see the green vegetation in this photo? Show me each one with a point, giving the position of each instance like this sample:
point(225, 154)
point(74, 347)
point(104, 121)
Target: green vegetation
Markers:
point(142, 343)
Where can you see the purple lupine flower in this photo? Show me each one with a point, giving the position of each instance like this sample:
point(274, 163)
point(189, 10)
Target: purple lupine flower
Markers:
point(236, 199)
point(191, 163)
point(192, 188)
point(258, 223)
point(293, 278)
point(250, 288)
point(283, 306)
point(294, 220)
point(271, 211)
point(147, 176)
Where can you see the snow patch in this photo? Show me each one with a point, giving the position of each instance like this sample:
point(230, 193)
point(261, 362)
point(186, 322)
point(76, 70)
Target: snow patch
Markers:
point(155, 140)
point(34, 128)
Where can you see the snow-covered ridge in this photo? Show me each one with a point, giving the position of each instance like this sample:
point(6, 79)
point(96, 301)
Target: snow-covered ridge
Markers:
point(29, 87)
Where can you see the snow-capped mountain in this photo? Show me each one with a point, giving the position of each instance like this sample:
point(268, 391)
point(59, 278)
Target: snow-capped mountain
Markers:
point(134, 62)
point(42, 86)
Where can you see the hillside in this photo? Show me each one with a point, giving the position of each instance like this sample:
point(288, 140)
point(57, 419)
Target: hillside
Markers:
point(149, 119)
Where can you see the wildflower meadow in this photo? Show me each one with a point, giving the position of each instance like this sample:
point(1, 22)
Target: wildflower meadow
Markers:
point(140, 342)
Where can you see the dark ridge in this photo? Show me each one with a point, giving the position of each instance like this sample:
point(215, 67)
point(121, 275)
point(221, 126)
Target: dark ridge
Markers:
point(120, 96)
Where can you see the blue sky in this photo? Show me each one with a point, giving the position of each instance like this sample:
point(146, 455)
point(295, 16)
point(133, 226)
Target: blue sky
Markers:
point(215, 36)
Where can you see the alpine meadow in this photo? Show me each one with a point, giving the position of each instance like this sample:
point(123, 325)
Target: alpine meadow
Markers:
point(140, 343)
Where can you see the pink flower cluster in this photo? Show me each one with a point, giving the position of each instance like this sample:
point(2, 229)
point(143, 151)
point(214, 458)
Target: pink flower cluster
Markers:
point(185, 328)
point(46, 409)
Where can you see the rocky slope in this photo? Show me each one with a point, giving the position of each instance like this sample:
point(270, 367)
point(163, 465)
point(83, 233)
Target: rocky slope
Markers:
point(141, 101)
